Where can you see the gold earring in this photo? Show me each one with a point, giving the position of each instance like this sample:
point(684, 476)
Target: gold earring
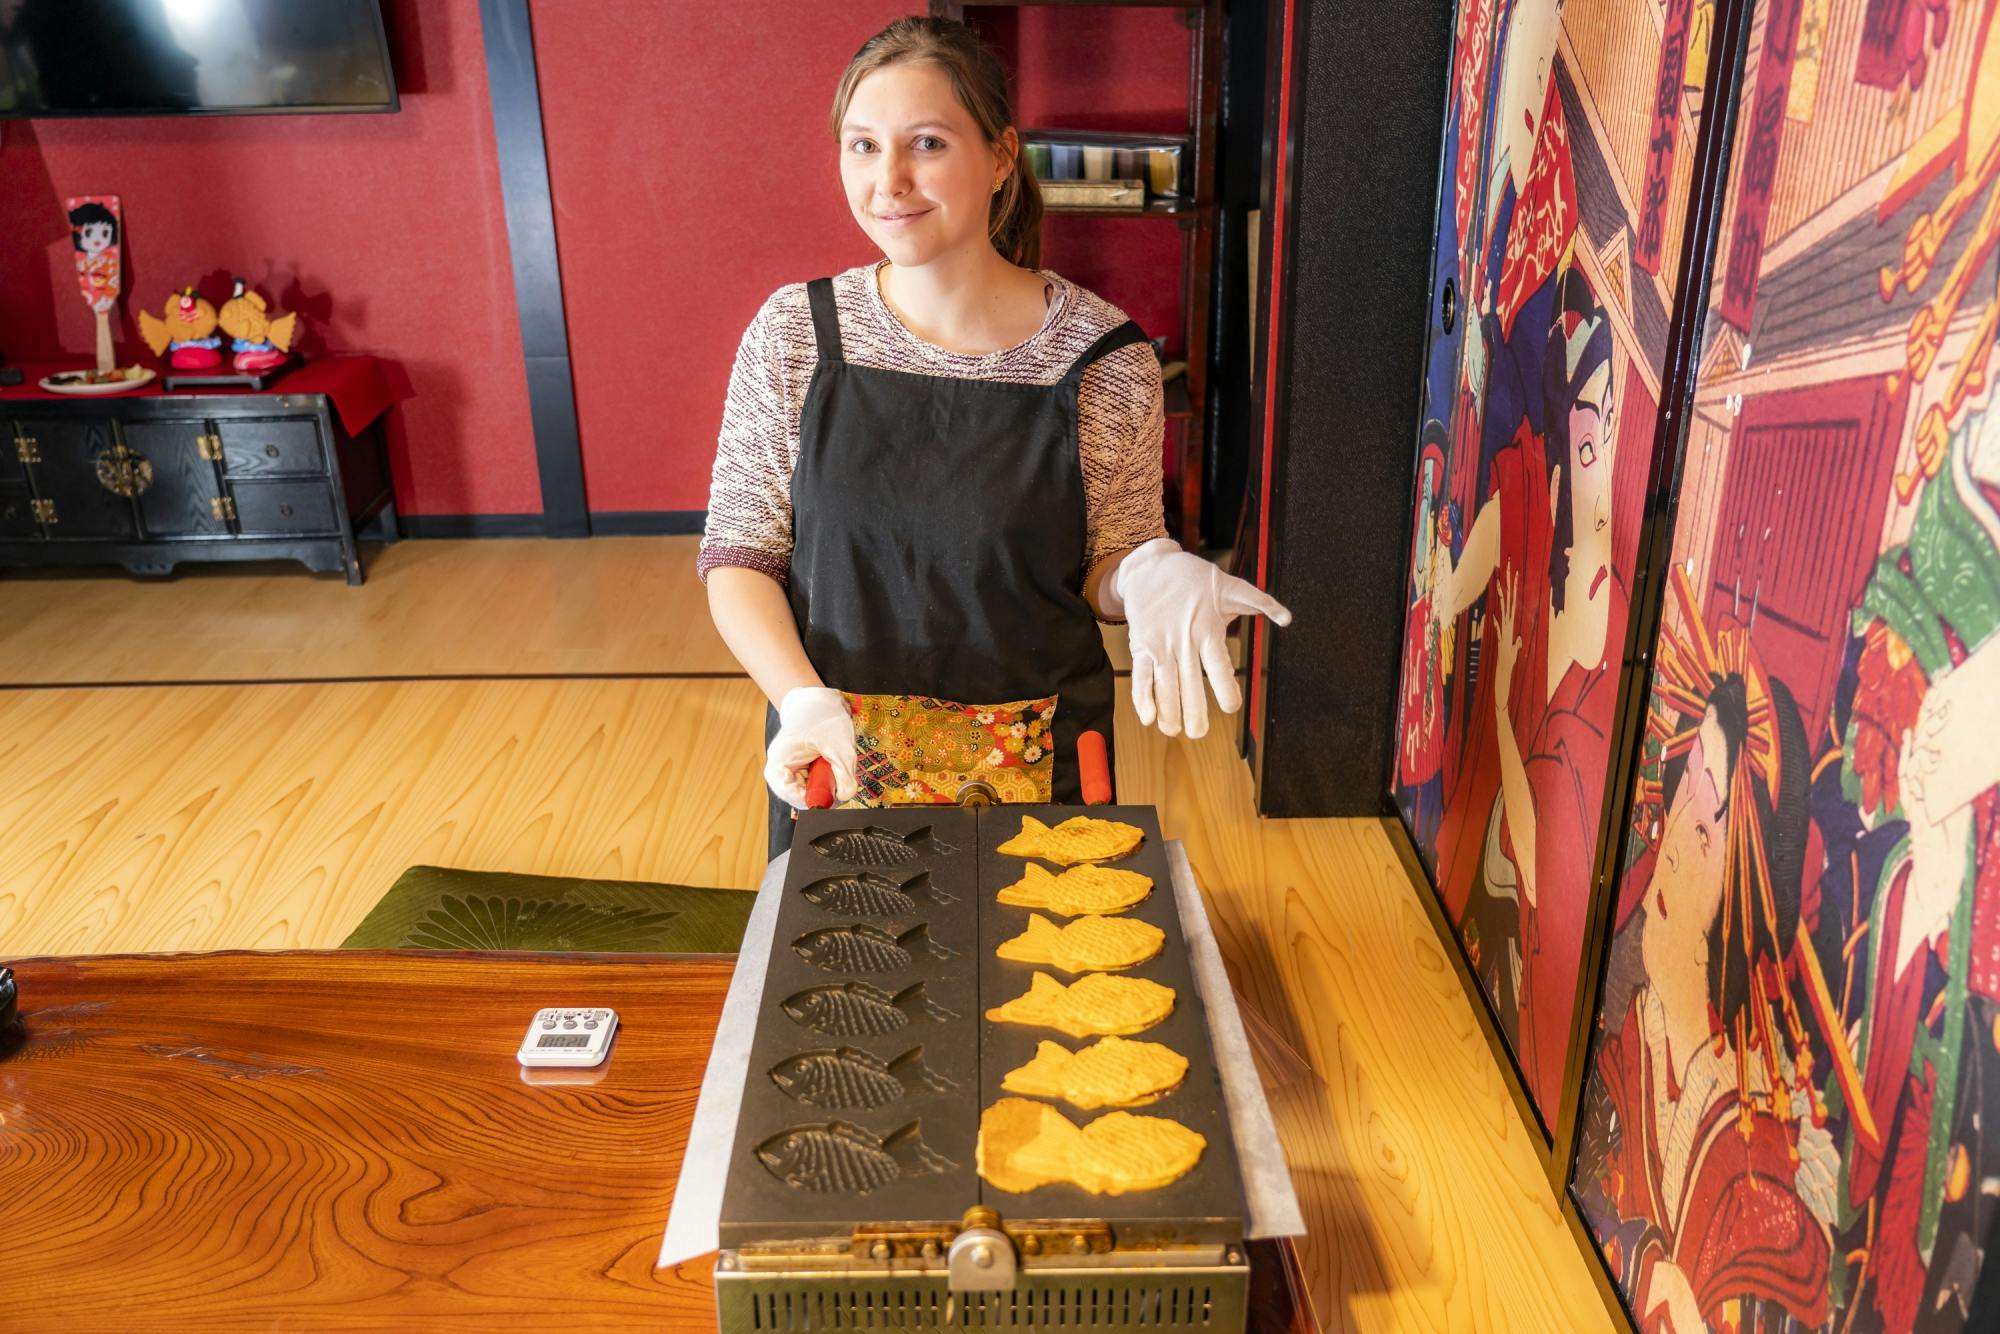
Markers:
point(997, 184)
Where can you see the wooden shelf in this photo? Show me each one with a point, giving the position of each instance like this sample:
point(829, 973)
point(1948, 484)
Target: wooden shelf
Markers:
point(1186, 213)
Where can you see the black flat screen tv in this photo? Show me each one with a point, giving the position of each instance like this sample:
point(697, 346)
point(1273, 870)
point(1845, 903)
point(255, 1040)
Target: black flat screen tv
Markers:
point(192, 57)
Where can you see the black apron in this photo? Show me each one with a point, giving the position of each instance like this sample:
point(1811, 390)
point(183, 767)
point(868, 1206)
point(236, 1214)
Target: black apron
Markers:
point(938, 530)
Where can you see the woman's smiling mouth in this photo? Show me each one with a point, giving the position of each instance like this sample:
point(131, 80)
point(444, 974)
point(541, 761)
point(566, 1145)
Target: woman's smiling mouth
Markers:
point(894, 219)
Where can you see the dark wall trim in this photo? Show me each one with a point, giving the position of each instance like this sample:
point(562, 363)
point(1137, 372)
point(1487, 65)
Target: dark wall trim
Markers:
point(1344, 380)
point(472, 525)
point(604, 523)
point(531, 237)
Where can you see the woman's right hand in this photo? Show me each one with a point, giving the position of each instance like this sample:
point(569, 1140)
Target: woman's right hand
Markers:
point(813, 722)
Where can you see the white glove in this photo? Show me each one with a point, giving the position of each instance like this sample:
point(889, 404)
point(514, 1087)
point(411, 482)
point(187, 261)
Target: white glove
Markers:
point(1178, 606)
point(812, 722)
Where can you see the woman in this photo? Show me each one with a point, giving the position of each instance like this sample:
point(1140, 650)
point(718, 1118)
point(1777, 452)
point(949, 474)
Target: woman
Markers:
point(938, 471)
point(1707, 1163)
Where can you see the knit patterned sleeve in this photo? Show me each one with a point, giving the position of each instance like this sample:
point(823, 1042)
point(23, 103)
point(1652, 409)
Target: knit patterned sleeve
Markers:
point(1121, 434)
point(750, 490)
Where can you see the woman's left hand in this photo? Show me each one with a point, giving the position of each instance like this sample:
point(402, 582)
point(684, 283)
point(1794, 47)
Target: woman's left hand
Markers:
point(1178, 607)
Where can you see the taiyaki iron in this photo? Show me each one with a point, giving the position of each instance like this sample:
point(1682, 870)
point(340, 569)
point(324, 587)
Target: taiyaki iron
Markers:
point(1025, 1144)
point(1093, 1005)
point(856, 1009)
point(866, 949)
point(870, 895)
point(1077, 891)
point(1081, 838)
point(875, 846)
point(849, 1077)
point(1086, 944)
point(1111, 1072)
point(840, 1156)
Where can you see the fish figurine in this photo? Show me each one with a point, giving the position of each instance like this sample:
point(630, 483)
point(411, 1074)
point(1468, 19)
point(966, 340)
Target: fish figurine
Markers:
point(866, 949)
point(841, 1156)
point(1081, 838)
point(871, 895)
point(260, 341)
point(875, 846)
point(850, 1077)
point(856, 1009)
point(186, 337)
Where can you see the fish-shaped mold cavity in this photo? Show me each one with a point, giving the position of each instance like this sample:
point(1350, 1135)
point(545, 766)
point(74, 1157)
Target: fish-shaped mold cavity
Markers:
point(868, 895)
point(857, 1010)
point(839, 1156)
point(860, 948)
point(873, 845)
point(843, 1077)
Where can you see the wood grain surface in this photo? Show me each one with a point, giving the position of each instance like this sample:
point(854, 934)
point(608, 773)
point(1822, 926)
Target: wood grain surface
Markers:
point(274, 816)
point(203, 1142)
point(622, 606)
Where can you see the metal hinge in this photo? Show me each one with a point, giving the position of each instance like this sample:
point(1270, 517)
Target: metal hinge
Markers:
point(45, 510)
point(223, 507)
point(27, 450)
point(211, 446)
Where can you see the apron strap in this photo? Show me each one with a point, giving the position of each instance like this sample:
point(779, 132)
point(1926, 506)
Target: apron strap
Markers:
point(1123, 336)
point(826, 320)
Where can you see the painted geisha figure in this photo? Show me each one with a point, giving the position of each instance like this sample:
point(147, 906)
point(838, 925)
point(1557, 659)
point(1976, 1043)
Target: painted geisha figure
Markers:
point(94, 237)
point(1508, 220)
point(1706, 1166)
point(1540, 552)
point(1908, 806)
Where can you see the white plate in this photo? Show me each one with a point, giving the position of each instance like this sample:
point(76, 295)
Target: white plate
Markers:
point(49, 383)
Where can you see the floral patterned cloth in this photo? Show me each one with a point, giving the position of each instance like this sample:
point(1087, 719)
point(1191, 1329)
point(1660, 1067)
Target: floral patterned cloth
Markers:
point(916, 750)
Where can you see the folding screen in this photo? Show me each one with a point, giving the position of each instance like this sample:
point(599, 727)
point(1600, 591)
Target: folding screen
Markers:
point(1571, 137)
point(1789, 1119)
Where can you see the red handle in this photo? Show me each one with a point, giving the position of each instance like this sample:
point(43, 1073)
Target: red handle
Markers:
point(819, 785)
point(1094, 769)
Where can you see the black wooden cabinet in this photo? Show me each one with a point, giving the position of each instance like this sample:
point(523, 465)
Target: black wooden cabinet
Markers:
point(150, 482)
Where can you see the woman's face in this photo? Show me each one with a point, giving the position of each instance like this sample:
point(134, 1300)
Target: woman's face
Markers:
point(1686, 889)
point(1591, 441)
point(96, 237)
point(918, 174)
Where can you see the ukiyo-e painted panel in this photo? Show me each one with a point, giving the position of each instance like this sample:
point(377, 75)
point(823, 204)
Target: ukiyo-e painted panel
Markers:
point(1790, 1115)
point(1568, 155)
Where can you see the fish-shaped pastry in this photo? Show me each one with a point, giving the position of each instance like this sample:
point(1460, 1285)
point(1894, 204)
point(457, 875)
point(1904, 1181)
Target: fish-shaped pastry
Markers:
point(1081, 838)
point(869, 895)
point(866, 949)
point(856, 1009)
point(1086, 944)
point(841, 1156)
point(1078, 891)
point(850, 1077)
point(1111, 1072)
point(1094, 1005)
point(1025, 1144)
point(874, 846)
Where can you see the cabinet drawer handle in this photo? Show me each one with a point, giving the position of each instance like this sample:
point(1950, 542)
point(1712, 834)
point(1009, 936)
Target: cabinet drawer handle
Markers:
point(270, 451)
point(285, 510)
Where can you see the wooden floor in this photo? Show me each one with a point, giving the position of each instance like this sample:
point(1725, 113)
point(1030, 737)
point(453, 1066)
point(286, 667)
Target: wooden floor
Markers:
point(212, 816)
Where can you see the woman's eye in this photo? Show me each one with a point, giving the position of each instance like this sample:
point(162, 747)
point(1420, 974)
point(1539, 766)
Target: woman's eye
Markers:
point(862, 146)
point(1701, 836)
point(930, 141)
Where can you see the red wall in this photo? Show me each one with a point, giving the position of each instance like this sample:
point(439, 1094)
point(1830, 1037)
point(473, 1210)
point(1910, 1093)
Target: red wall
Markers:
point(387, 232)
point(692, 175)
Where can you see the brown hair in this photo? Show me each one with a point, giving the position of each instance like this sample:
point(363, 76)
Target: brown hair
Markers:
point(1014, 218)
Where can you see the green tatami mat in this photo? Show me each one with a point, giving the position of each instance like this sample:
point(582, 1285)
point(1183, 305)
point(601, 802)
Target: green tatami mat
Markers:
point(439, 908)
